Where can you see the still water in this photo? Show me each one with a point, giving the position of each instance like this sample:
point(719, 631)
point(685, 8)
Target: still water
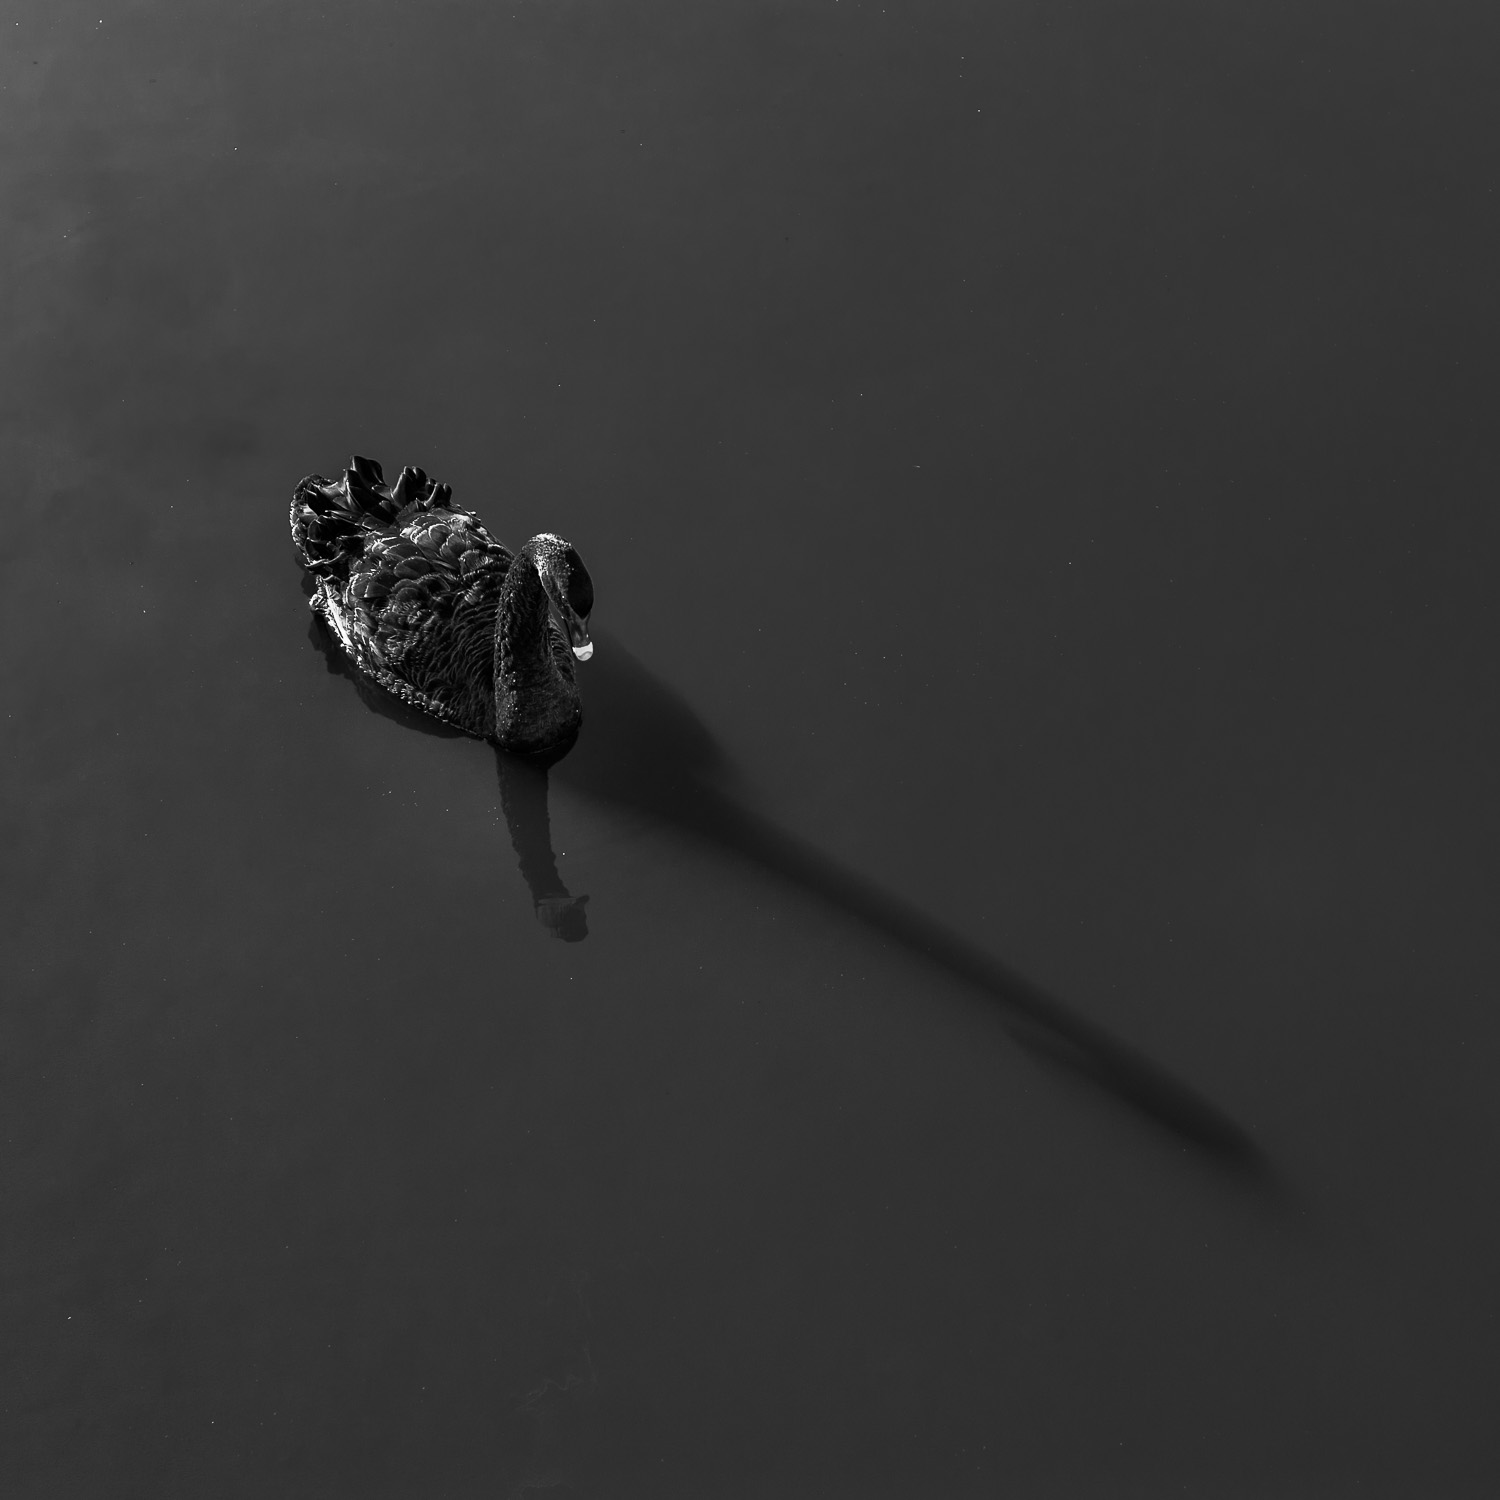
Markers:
point(1032, 1024)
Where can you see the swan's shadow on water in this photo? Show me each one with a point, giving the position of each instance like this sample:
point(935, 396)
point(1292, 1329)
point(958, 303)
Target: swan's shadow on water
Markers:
point(644, 748)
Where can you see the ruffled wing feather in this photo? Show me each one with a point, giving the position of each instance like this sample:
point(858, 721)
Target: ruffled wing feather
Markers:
point(410, 585)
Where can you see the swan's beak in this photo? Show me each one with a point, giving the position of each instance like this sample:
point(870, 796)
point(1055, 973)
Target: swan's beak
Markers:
point(575, 628)
point(578, 637)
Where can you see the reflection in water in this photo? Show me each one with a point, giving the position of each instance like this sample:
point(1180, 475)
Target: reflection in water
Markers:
point(523, 796)
point(645, 749)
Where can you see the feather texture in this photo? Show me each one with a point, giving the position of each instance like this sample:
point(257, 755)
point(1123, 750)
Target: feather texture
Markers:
point(430, 606)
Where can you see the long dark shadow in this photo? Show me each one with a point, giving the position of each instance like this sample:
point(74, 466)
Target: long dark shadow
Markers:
point(644, 748)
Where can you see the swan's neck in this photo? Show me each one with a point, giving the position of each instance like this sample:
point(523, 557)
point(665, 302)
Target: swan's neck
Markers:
point(536, 703)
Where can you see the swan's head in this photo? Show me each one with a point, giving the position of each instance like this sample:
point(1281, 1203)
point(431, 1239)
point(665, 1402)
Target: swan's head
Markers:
point(569, 588)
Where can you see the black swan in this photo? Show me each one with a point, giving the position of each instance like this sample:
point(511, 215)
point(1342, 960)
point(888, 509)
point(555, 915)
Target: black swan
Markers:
point(430, 606)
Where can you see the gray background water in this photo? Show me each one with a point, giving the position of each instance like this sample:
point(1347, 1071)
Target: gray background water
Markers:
point(1049, 447)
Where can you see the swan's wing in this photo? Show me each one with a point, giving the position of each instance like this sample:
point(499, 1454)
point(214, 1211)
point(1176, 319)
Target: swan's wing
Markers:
point(413, 593)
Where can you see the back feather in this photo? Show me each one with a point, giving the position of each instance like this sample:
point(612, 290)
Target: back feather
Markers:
point(409, 585)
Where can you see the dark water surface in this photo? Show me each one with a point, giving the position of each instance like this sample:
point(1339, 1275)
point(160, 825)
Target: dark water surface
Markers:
point(1036, 1027)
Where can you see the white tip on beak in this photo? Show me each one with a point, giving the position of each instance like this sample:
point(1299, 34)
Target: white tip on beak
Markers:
point(584, 651)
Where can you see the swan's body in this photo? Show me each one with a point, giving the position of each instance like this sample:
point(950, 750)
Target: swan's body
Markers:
point(429, 605)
